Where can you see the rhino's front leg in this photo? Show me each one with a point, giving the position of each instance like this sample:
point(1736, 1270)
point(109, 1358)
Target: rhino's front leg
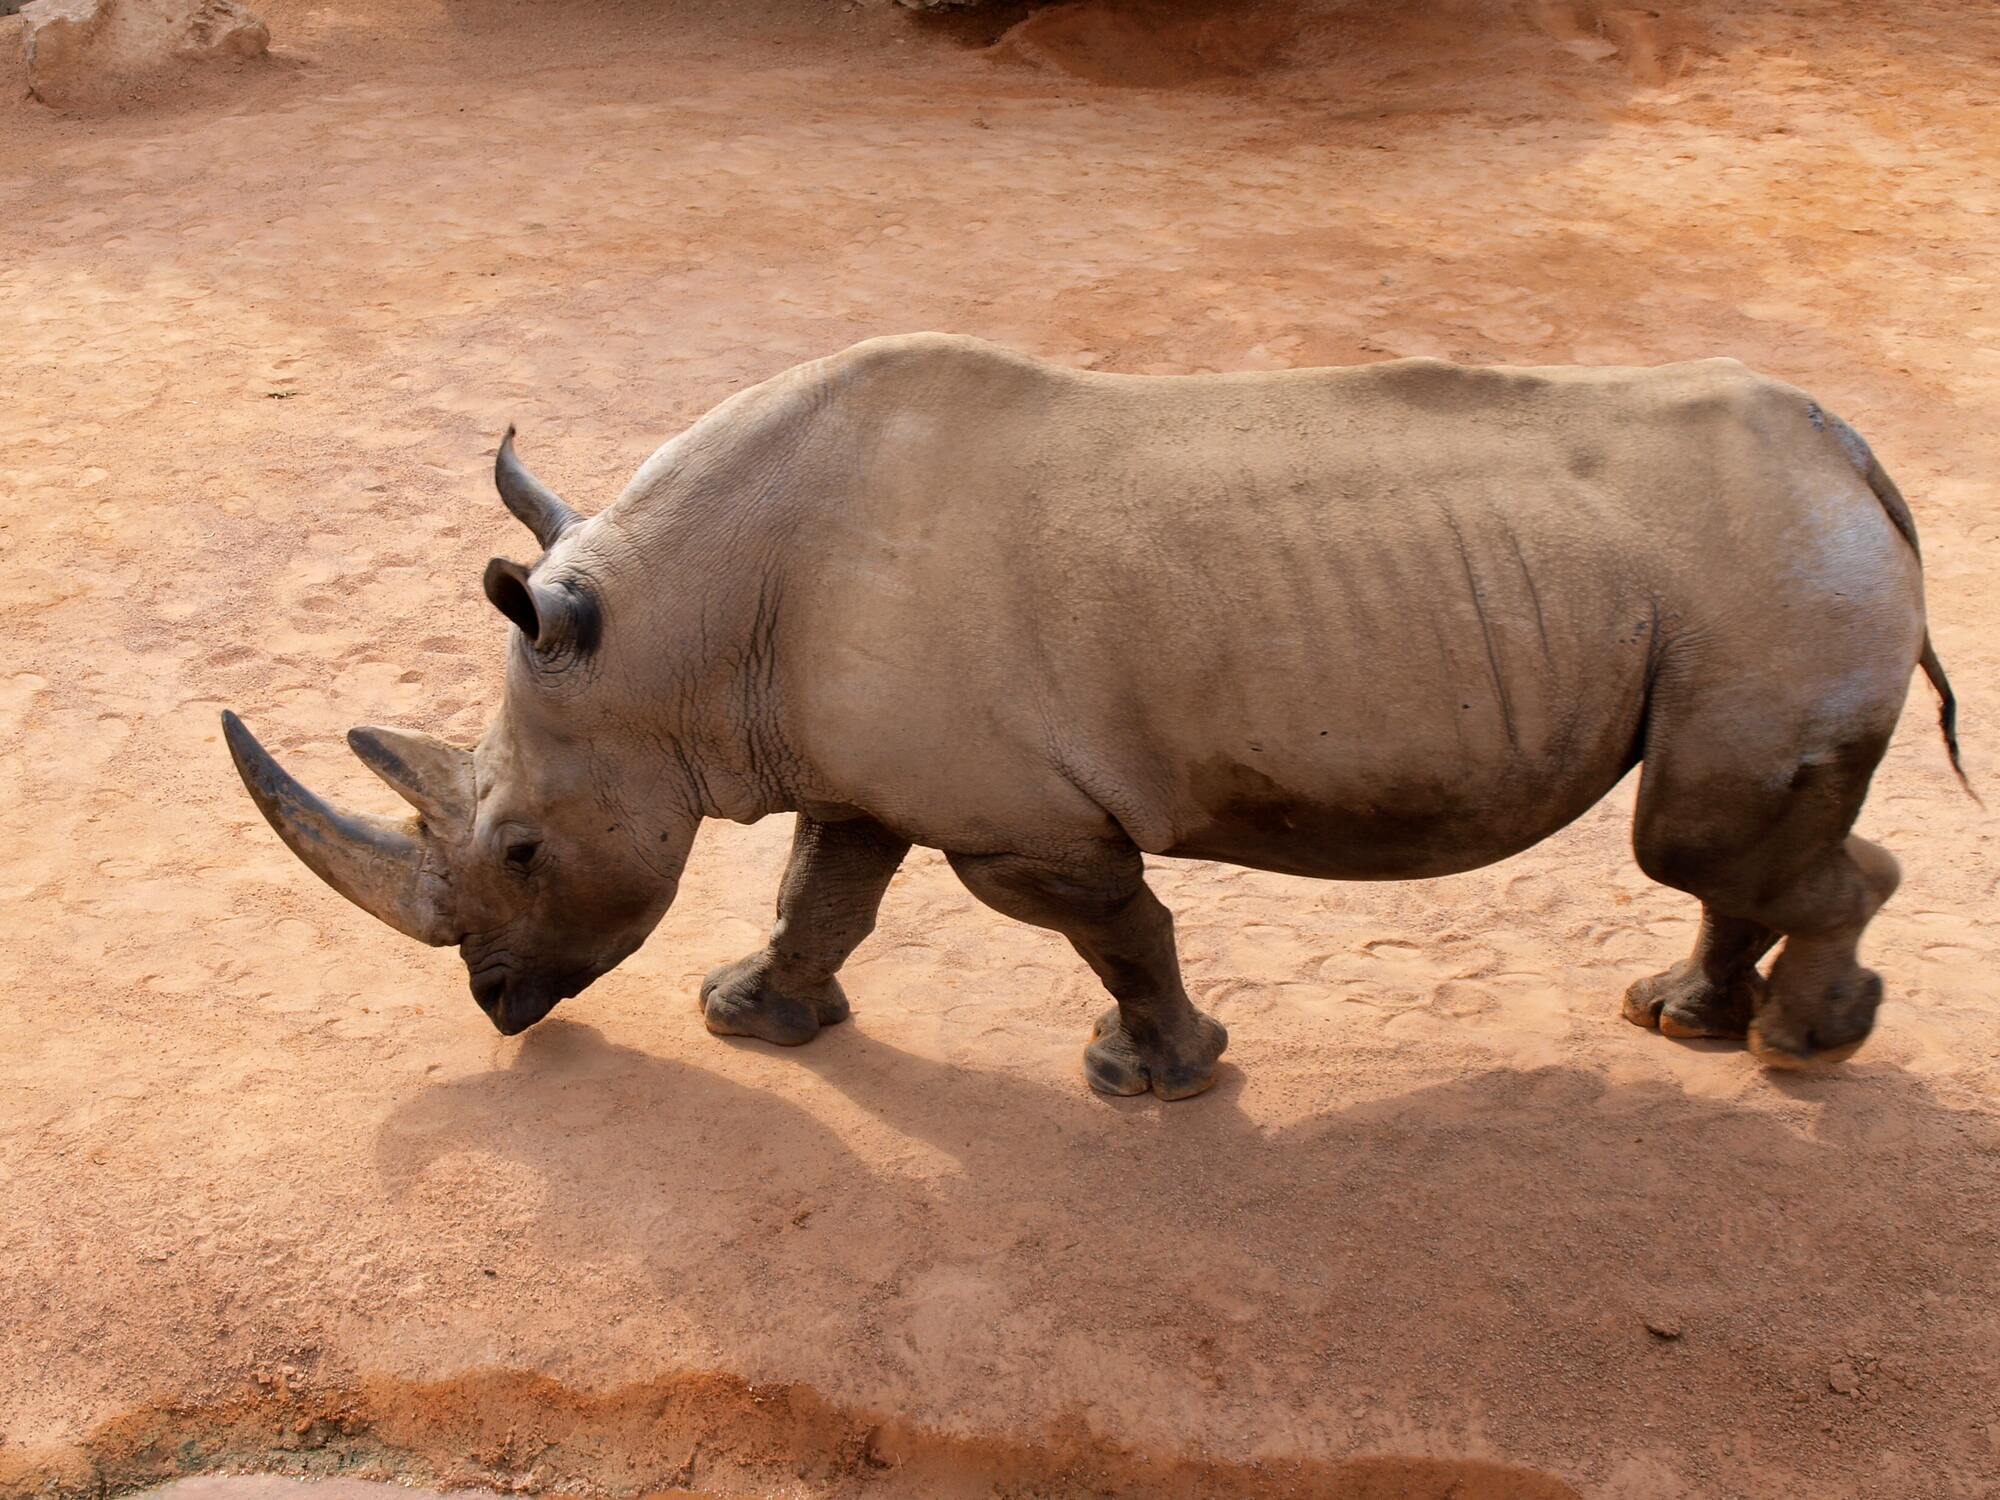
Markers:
point(786, 990)
point(1098, 898)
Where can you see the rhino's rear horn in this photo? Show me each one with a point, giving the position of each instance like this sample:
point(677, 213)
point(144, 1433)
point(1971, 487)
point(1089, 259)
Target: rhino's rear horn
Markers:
point(533, 503)
point(389, 870)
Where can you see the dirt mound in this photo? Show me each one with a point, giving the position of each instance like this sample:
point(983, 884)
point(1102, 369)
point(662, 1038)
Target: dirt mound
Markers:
point(1166, 44)
point(520, 1432)
point(1654, 47)
point(79, 53)
point(1152, 43)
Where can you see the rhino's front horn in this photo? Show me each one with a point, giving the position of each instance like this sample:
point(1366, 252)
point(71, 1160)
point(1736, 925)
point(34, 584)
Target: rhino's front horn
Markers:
point(533, 503)
point(381, 866)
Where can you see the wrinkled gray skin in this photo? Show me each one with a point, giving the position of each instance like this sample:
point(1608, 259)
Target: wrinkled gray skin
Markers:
point(1364, 624)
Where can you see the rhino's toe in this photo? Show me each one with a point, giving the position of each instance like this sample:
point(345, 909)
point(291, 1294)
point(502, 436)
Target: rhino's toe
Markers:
point(1111, 1061)
point(1685, 1004)
point(1114, 1063)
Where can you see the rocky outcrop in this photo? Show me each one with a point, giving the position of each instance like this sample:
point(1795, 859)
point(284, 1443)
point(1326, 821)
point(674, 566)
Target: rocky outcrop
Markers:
point(79, 50)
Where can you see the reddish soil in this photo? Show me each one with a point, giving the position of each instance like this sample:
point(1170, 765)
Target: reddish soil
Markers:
point(275, 1195)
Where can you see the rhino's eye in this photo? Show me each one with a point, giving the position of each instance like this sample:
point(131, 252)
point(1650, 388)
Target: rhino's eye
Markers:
point(521, 854)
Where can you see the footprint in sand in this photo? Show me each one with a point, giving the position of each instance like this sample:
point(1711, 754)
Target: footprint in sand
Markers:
point(1395, 951)
point(1949, 953)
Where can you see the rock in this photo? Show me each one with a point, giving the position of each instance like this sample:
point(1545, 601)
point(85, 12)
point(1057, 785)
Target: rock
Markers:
point(1662, 1326)
point(1843, 1379)
point(79, 49)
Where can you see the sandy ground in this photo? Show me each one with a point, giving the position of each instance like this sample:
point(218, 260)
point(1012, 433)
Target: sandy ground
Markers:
point(265, 1488)
point(273, 1194)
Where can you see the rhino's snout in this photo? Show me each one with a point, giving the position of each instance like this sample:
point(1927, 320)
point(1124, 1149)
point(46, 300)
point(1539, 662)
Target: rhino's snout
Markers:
point(513, 1005)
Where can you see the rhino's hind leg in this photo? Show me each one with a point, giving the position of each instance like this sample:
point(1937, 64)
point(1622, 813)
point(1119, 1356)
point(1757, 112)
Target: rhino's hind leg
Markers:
point(1712, 992)
point(1765, 845)
point(786, 991)
point(1823, 1002)
point(1153, 1038)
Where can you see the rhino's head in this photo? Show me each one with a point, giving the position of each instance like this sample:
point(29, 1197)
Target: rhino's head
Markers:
point(540, 853)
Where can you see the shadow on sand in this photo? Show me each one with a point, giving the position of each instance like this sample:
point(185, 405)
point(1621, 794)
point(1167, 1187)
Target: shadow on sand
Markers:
point(1504, 1239)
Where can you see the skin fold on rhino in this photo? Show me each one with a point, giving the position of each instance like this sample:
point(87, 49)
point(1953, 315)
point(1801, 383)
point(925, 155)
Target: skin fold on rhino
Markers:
point(1380, 623)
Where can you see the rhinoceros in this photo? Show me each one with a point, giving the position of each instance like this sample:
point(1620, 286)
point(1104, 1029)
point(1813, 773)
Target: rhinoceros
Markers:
point(1378, 623)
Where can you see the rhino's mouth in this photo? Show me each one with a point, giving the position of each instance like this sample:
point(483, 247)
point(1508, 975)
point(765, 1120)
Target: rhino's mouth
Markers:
point(513, 1005)
point(514, 1001)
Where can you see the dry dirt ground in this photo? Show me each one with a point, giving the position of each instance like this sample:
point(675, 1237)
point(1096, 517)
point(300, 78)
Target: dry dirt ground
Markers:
point(272, 1192)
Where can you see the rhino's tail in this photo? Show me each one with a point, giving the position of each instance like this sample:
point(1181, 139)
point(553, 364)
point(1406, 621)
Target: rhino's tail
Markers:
point(1947, 713)
point(1863, 458)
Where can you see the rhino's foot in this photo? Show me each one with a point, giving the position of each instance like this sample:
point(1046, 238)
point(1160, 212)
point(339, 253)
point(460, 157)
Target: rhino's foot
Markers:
point(1829, 1029)
point(1176, 1067)
point(1685, 1003)
point(747, 999)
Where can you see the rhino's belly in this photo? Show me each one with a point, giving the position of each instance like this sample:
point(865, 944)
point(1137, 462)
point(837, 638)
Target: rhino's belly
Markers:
point(1240, 815)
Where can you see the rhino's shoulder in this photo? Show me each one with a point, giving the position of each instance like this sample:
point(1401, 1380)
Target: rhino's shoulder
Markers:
point(910, 364)
point(806, 417)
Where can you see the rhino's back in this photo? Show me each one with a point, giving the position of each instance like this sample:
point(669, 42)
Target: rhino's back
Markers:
point(1404, 610)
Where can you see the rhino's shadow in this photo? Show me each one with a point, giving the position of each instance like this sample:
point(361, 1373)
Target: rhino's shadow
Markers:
point(956, 1233)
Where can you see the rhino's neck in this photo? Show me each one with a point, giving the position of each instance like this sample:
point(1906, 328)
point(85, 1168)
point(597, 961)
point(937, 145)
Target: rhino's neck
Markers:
point(707, 701)
point(741, 773)
point(701, 544)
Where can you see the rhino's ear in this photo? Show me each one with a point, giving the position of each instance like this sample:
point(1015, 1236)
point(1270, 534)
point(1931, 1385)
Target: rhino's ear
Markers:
point(513, 594)
point(433, 777)
point(557, 621)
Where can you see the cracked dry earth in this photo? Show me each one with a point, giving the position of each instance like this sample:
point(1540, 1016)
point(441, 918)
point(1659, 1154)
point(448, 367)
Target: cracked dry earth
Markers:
point(274, 1196)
